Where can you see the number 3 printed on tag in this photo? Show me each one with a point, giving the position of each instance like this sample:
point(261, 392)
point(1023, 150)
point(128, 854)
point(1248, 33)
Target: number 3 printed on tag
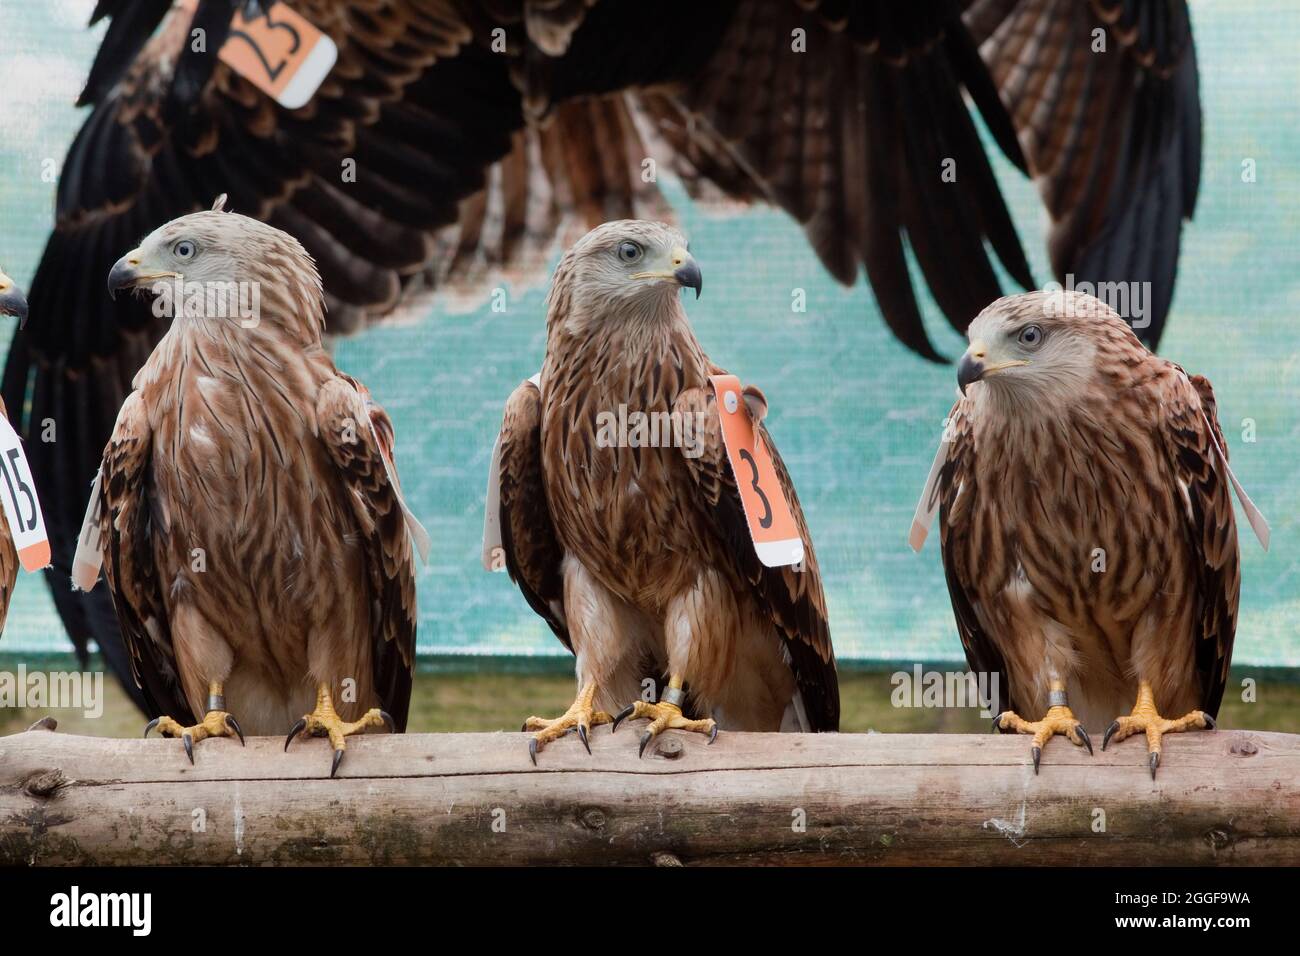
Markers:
point(769, 517)
point(22, 507)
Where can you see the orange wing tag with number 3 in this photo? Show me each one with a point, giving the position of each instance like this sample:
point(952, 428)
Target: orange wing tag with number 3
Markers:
point(279, 52)
point(771, 521)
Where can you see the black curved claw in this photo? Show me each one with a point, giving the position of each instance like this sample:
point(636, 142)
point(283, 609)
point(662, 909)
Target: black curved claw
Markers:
point(622, 715)
point(233, 724)
point(1109, 730)
point(294, 732)
point(1209, 721)
point(188, 741)
point(532, 750)
point(338, 759)
point(713, 734)
point(1153, 762)
point(997, 722)
point(387, 718)
point(1087, 741)
point(582, 735)
point(645, 740)
point(151, 725)
point(1037, 754)
point(524, 728)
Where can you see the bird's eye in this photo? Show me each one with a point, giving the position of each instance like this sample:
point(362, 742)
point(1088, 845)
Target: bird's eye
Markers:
point(629, 251)
point(1031, 336)
point(184, 250)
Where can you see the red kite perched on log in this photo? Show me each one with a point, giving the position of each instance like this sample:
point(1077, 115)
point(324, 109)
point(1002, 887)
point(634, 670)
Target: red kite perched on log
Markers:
point(251, 528)
point(1085, 507)
point(638, 555)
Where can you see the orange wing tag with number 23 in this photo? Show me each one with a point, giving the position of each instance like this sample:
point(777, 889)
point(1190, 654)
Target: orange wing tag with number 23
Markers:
point(771, 521)
point(279, 52)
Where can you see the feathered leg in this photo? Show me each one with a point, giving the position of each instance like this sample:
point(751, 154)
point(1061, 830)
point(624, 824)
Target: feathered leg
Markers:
point(1146, 717)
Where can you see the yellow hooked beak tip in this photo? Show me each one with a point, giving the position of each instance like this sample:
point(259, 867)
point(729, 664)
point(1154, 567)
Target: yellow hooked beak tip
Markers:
point(687, 271)
point(974, 366)
point(681, 267)
point(12, 300)
point(126, 273)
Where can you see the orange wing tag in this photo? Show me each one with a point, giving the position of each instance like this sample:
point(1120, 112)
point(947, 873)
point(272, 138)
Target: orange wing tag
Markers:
point(769, 516)
point(279, 52)
point(22, 509)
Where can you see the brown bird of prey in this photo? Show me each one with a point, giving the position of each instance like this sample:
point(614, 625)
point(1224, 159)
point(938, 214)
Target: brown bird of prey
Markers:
point(487, 134)
point(252, 533)
point(1087, 527)
point(638, 557)
point(12, 303)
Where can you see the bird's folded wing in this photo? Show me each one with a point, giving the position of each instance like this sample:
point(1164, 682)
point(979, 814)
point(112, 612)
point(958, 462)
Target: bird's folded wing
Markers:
point(791, 595)
point(130, 524)
point(1190, 428)
point(377, 509)
point(530, 547)
point(956, 492)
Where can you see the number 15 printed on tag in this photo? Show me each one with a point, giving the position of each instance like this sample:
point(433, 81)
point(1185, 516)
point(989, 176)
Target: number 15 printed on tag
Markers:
point(21, 506)
point(771, 522)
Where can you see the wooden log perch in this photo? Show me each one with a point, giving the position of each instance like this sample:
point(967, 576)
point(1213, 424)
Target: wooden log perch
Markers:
point(1229, 797)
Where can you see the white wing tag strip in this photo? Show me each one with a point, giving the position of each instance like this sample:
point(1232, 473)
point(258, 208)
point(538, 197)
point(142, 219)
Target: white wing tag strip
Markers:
point(928, 506)
point(1258, 523)
point(90, 555)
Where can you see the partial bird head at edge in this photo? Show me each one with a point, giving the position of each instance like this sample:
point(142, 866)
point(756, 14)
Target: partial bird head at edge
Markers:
point(12, 300)
point(1039, 347)
point(222, 251)
point(625, 263)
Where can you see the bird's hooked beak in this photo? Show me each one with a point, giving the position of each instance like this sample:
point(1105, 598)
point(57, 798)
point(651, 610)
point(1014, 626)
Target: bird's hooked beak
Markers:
point(682, 267)
point(127, 273)
point(975, 366)
point(687, 271)
point(12, 300)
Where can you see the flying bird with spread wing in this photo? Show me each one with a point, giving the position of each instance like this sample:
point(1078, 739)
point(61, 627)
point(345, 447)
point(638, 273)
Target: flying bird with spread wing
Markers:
point(484, 134)
point(12, 302)
point(1088, 538)
point(637, 553)
point(249, 520)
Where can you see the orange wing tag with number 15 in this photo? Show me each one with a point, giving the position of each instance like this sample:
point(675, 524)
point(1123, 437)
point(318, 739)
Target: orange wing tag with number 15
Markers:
point(771, 521)
point(279, 52)
point(22, 509)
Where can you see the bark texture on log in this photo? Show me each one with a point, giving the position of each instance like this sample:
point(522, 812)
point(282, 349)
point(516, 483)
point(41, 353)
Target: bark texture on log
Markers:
point(1228, 797)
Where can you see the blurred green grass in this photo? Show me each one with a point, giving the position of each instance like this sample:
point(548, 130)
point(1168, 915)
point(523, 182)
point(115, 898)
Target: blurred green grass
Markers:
point(460, 701)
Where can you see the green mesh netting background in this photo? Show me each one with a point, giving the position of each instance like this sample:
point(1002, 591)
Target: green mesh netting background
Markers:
point(856, 416)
